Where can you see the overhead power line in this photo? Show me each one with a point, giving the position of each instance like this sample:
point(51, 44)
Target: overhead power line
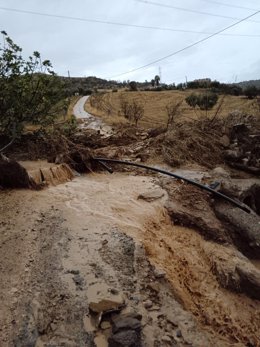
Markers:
point(228, 5)
point(187, 47)
point(96, 21)
point(147, 2)
point(118, 23)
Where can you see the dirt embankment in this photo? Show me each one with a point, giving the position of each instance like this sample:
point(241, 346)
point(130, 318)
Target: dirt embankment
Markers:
point(99, 237)
point(108, 259)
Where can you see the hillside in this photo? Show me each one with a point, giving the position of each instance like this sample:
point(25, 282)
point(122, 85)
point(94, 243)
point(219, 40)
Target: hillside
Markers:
point(108, 106)
point(245, 84)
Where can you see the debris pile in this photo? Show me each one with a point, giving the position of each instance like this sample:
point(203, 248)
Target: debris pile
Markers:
point(244, 149)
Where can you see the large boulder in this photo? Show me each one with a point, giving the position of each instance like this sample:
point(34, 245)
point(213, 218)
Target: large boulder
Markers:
point(233, 270)
point(244, 228)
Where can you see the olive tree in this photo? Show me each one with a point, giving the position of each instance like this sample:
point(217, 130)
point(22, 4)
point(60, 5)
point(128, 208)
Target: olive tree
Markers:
point(30, 92)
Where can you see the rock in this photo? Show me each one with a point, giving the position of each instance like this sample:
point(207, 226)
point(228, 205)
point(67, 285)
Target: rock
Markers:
point(151, 195)
point(166, 339)
point(234, 271)
point(246, 190)
point(104, 305)
point(126, 323)
point(243, 227)
point(105, 325)
point(126, 338)
point(79, 281)
point(159, 273)
point(148, 304)
point(135, 315)
point(249, 281)
point(178, 333)
point(224, 141)
point(206, 223)
point(113, 291)
point(154, 287)
point(135, 299)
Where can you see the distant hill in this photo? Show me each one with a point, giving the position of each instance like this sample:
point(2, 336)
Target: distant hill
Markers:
point(246, 84)
point(86, 85)
point(82, 85)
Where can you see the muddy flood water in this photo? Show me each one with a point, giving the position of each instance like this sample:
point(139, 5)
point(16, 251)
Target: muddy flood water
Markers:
point(68, 246)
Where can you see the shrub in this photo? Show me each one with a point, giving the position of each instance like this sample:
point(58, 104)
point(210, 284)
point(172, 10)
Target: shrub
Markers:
point(204, 101)
point(133, 86)
point(192, 100)
point(30, 92)
point(173, 111)
point(251, 92)
point(132, 111)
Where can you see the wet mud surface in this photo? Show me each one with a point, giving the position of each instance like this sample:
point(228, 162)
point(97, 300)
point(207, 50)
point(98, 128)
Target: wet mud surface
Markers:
point(66, 248)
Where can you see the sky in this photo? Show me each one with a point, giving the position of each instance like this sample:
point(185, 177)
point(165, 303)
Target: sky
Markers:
point(108, 51)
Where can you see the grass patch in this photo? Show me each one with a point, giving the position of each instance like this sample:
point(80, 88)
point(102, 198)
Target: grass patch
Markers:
point(155, 106)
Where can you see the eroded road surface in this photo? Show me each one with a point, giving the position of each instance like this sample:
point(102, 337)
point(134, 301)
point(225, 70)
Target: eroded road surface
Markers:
point(89, 121)
point(95, 238)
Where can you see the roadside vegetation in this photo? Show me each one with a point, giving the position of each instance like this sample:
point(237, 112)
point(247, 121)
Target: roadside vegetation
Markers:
point(109, 106)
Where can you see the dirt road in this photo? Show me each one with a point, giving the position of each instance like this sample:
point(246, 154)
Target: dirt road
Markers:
point(70, 245)
point(79, 110)
point(89, 121)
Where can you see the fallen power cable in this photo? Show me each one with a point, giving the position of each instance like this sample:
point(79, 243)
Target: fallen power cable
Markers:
point(236, 203)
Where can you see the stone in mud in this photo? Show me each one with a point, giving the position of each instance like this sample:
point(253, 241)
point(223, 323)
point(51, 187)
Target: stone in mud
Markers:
point(166, 339)
point(246, 190)
point(243, 227)
point(126, 330)
point(126, 323)
point(158, 273)
point(79, 281)
point(148, 304)
point(205, 222)
point(249, 281)
point(224, 141)
point(105, 325)
point(234, 271)
point(151, 195)
point(125, 338)
point(104, 305)
point(155, 287)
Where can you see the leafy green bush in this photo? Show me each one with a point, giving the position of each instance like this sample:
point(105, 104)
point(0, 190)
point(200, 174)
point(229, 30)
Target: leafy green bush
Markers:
point(251, 92)
point(205, 101)
point(29, 90)
point(192, 100)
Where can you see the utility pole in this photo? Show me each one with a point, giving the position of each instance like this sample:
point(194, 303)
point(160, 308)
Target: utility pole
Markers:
point(160, 74)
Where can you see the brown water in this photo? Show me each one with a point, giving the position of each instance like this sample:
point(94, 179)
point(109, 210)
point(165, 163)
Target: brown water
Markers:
point(96, 211)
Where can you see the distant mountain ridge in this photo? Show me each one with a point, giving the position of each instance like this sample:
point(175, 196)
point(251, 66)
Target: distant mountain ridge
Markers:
point(83, 85)
point(250, 83)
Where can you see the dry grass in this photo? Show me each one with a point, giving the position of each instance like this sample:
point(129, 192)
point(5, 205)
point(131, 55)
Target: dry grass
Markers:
point(155, 103)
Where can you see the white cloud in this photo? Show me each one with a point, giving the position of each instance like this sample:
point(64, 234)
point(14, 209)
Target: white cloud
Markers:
point(105, 50)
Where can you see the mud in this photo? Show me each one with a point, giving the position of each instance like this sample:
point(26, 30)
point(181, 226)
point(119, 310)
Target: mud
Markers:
point(44, 173)
point(91, 238)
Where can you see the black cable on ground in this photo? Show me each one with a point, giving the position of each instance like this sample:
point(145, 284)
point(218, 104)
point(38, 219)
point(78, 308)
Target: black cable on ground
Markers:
point(199, 185)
